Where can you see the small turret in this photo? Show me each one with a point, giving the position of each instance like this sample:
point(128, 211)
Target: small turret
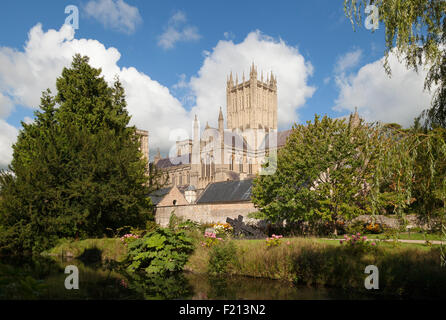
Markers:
point(157, 156)
point(253, 72)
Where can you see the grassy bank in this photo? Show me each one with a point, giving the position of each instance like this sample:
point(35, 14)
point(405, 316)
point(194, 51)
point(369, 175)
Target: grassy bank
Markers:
point(109, 248)
point(405, 270)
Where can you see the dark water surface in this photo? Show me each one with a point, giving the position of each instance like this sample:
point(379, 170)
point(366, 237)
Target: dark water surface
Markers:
point(44, 278)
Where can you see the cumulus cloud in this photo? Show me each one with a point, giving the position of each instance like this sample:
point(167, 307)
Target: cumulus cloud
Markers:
point(8, 136)
point(6, 106)
point(114, 14)
point(379, 98)
point(25, 74)
point(269, 54)
point(178, 31)
point(348, 61)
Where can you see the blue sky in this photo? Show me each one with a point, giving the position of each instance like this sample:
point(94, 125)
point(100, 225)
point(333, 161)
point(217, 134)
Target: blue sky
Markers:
point(202, 42)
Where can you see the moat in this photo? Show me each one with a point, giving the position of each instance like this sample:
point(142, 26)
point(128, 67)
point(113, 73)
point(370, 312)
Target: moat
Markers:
point(44, 278)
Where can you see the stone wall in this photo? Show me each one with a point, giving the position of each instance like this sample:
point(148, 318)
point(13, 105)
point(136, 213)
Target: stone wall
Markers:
point(206, 213)
point(393, 222)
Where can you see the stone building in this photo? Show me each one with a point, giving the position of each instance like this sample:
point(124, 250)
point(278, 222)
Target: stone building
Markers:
point(234, 152)
point(143, 137)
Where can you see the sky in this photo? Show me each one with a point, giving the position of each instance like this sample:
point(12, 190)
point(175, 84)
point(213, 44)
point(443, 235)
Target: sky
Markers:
point(173, 58)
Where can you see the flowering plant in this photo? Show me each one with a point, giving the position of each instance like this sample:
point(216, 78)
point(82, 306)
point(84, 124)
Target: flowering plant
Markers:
point(357, 242)
point(373, 228)
point(222, 228)
point(129, 238)
point(210, 240)
point(274, 241)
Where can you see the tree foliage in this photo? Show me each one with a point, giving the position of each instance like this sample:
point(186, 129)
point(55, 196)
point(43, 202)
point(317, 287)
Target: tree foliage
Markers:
point(333, 170)
point(77, 170)
point(415, 28)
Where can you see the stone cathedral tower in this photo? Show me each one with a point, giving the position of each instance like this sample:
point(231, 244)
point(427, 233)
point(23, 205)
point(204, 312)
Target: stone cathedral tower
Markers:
point(252, 104)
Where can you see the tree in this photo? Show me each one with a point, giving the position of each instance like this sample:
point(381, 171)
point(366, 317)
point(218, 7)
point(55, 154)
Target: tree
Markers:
point(77, 170)
point(331, 170)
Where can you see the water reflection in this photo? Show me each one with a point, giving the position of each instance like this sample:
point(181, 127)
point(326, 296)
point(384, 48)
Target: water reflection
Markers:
point(43, 278)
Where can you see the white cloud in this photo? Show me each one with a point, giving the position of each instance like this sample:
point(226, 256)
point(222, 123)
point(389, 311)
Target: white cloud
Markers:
point(229, 35)
point(6, 106)
point(25, 74)
point(379, 98)
point(8, 136)
point(288, 65)
point(348, 61)
point(178, 31)
point(114, 14)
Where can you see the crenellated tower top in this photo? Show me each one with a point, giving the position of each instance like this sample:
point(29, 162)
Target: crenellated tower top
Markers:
point(252, 104)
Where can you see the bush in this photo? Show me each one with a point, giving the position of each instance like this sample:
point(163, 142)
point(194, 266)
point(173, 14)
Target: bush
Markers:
point(210, 240)
point(160, 252)
point(274, 241)
point(358, 244)
point(222, 257)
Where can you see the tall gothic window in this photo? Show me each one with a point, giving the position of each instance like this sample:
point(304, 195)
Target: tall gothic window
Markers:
point(250, 167)
point(181, 180)
point(240, 166)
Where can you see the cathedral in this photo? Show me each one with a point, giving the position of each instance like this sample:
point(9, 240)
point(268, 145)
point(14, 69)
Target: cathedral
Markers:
point(235, 151)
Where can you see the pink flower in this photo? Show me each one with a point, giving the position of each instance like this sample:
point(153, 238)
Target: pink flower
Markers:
point(373, 244)
point(364, 238)
point(358, 234)
point(288, 243)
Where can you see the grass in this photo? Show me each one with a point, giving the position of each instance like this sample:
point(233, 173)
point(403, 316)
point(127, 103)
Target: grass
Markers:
point(405, 236)
point(406, 270)
point(110, 248)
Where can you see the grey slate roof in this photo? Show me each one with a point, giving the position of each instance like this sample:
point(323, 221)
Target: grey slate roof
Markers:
point(227, 191)
point(158, 195)
point(177, 161)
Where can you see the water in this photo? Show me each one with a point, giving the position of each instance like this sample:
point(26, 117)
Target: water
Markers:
point(44, 278)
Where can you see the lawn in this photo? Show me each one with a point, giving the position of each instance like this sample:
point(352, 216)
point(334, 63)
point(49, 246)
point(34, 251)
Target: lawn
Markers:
point(405, 236)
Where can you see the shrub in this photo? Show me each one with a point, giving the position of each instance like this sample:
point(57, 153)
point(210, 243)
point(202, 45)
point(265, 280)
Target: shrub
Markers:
point(374, 228)
point(160, 252)
point(274, 241)
point(357, 243)
point(355, 227)
point(189, 225)
point(222, 229)
point(210, 240)
point(222, 257)
point(129, 238)
point(174, 221)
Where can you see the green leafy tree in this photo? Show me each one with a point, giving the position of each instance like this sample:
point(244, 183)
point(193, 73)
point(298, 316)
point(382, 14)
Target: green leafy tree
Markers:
point(332, 170)
point(77, 170)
